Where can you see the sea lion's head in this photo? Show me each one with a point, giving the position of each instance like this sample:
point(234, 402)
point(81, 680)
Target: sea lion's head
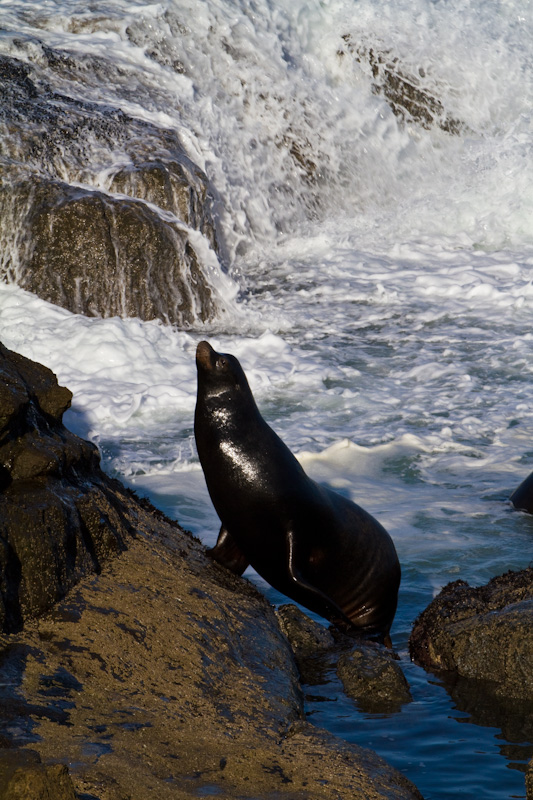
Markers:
point(219, 373)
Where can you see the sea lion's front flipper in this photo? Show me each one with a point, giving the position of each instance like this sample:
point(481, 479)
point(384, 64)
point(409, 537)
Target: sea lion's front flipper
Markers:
point(330, 609)
point(227, 552)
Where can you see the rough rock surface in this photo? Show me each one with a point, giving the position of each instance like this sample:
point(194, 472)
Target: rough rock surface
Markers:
point(373, 677)
point(125, 244)
point(529, 781)
point(24, 777)
point(167, 676)
point(370, 673)
point(163, 675)
point(306, 636)
point(60, 516)
point(483, 633)
point(99, 255)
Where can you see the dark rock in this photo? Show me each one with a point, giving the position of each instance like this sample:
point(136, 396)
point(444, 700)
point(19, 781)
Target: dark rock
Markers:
point(99, 255)
point(407, 93)
point(369, 672)
point(372, 676)
point(483, 633)
point(87, 249)
point(522, 497)
point(529, 781)
point(313, 644)
point(24, 777)
point(168, 676)
point(60, 516)
point(306, 636)
point(476, 698)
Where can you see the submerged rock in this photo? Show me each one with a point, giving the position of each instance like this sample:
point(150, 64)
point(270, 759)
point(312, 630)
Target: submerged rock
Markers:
point(100, 213)
point(484, 633)
point(163, 675)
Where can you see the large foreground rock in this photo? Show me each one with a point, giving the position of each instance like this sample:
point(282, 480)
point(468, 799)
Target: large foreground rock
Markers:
point(159, 673)
point(485, 633)
point(167, 677)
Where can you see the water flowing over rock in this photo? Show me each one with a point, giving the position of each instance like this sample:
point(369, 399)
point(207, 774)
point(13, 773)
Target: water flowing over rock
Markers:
point(164, 674)
point(100, 213)
point(482, 633)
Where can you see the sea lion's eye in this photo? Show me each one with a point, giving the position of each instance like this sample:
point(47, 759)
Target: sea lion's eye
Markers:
point(222, 363)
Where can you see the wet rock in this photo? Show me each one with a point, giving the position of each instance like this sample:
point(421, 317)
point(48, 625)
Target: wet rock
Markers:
point(60, 516)
point(166, 675)
point(24, 777)
point(529, 781)
point(370, 673)
point(88, 249)
point(522, 497)
point(99, 255)
point(313, 644)
point(175, 186)
point(406, 91)
point(164, 50)
point(307, 637)
point(372, 676)
point(483, 633)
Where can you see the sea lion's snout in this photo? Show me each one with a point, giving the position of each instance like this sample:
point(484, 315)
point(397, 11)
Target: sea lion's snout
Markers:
point(204, 354)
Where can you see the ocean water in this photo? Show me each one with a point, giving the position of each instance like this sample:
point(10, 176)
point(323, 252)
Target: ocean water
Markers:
point(377, 289)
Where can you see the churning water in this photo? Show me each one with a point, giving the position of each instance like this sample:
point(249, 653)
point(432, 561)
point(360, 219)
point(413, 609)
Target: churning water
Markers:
point(378, 290)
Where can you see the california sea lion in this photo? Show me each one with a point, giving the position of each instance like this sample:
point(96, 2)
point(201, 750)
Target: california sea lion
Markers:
point(307, 541)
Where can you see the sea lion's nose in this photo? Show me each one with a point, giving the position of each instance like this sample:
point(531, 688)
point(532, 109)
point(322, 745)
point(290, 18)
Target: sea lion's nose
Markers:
point(204, 353)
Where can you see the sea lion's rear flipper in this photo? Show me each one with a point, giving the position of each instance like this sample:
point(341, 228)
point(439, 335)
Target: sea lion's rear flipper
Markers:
point(318, 600)
point(227, 553)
